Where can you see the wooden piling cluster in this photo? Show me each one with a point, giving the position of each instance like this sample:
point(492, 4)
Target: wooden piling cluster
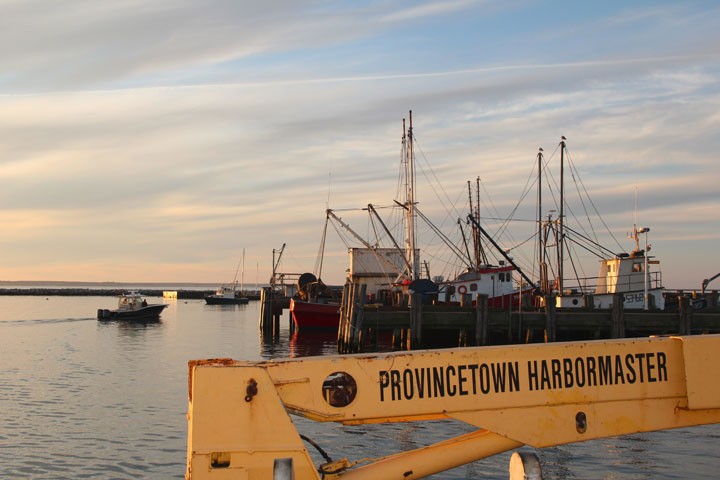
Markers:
point(418, 324)
point(271, 308)
point(351, 332)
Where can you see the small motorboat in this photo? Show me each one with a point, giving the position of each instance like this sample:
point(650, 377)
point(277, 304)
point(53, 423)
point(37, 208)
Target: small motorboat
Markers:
point(132, 306)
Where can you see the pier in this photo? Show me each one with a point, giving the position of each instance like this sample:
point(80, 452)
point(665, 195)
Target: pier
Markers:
point(417, 325)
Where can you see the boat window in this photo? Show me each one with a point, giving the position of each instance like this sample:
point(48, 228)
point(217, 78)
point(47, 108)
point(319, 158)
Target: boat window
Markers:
point(473, 287)
point(501, 276)
point(637, 267)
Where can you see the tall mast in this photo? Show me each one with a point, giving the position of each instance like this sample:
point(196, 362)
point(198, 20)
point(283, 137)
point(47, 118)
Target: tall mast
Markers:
point(410, 201)
point(561, 231)
point(474, 230)
point(540, 243)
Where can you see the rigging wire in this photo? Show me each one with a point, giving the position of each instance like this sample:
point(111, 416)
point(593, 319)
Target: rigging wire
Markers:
point(573, 172)
point(595, 208)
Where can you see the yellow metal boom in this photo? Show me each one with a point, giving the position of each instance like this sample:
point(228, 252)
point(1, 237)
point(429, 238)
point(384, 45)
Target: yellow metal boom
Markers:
point(538, 395)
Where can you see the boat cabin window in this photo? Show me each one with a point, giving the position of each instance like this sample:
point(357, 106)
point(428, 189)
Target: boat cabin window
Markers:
point(637, 267)
point(473, 287)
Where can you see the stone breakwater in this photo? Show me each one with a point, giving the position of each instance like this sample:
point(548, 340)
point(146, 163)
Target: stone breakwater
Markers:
point(99, 292)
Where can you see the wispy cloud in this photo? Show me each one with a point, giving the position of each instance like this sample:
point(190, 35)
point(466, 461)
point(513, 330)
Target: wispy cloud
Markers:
point(177, 134)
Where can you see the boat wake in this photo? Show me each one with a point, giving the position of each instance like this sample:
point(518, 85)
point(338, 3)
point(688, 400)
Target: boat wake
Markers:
point(45, 321)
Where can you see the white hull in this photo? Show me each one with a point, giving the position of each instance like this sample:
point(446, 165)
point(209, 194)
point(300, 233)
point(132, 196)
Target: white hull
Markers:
point(633, 300)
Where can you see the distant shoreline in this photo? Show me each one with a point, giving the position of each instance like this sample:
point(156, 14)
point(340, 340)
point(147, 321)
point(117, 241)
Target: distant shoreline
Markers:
point(62, 283)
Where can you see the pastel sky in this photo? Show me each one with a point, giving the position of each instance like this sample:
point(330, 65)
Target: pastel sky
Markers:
point(154, 141)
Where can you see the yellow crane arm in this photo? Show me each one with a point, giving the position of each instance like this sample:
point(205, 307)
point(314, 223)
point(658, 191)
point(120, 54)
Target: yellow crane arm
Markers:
point(539, 395)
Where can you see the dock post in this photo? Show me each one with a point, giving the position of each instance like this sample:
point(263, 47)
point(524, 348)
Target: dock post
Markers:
point(343, 319)
point(266, 309)
point(618, 316)
point(396, 340)
point(481, 319)
point(550, 318)
point(347, 333)
point(684, 316)
point(358, 319)
point(415, 320)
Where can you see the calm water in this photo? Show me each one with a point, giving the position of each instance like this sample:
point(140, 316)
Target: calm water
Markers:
point(85, 399)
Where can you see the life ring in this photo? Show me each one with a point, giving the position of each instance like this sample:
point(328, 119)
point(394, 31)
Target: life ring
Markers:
point(462, 289)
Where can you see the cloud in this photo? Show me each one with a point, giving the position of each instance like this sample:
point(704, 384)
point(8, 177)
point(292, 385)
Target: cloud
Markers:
point(173, 135)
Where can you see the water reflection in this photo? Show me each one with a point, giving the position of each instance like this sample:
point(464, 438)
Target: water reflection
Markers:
point(132, 328)
point(313, 343)
point(271, 345)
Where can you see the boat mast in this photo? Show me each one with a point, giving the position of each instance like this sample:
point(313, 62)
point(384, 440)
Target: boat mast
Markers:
point(480, 249)
point(242, 277)
point(410, 198)
point(561, 232)
point(474, 230)
point(541, 244)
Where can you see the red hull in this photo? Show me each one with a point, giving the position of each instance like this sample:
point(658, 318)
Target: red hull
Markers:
point(308, 315)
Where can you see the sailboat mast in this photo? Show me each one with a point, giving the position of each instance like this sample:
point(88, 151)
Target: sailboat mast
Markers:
point(242, 277)
point(561, 231)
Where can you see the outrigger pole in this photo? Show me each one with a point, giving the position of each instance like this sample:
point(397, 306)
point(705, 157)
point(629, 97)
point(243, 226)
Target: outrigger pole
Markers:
point(502, 252)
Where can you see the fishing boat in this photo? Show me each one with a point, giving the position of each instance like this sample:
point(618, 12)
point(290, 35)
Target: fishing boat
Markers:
point(230, 295)
point(132, 306)
point(625, 275)
point(226, 296)
point(395, 268)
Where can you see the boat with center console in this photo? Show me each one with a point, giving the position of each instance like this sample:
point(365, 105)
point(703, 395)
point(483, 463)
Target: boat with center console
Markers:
point(132, 306)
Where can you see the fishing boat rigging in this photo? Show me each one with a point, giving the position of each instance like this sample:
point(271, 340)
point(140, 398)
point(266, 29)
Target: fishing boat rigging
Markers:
point(398, 266)
point(624, 273)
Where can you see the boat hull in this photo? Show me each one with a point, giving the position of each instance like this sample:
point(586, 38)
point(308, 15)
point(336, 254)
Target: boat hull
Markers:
point(151, 312)
point(632, 300)
point(218, 300)
point(315, 316)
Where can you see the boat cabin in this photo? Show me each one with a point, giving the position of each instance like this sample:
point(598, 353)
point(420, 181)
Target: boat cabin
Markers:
point(624, 273)
point(131, 301)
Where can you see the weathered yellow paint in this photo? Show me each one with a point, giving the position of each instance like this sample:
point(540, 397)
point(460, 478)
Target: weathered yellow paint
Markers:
point(540, 395)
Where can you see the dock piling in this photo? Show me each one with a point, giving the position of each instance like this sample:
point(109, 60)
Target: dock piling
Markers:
point(481, 319)
point(684, 316)
point(618, 316)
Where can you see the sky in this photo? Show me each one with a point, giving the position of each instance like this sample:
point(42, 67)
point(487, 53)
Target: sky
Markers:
point(156, 141)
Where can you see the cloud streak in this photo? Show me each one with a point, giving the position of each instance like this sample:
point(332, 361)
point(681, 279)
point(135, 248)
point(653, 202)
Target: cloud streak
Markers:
point(172, 136)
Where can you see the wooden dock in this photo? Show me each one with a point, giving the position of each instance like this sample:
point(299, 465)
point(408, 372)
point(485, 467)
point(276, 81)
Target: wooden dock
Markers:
point(272, 304)
point(420, 325)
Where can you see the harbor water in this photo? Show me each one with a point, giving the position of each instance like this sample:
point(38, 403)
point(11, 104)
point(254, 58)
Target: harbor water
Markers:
point(81, 398)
